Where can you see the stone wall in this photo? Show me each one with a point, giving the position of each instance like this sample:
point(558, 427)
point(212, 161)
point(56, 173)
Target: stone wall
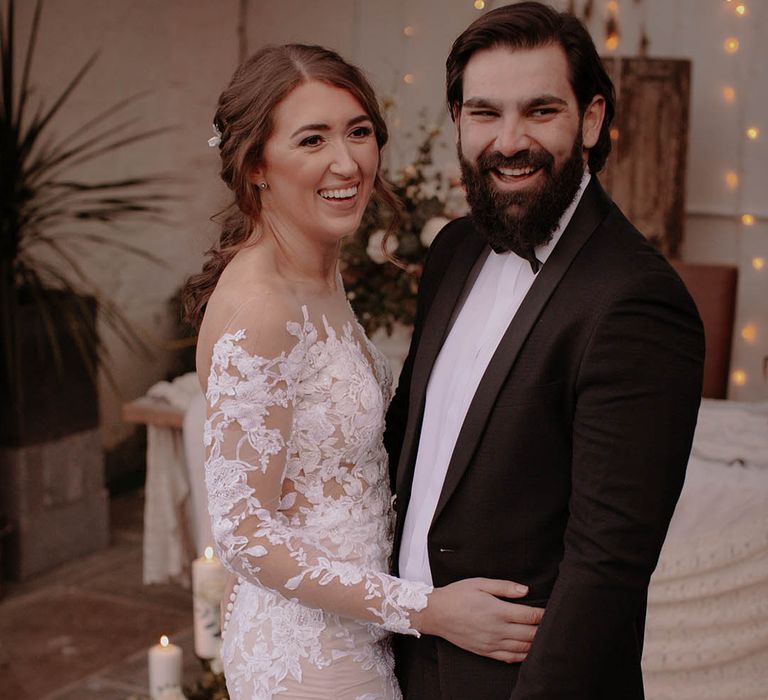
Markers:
point(54, 494)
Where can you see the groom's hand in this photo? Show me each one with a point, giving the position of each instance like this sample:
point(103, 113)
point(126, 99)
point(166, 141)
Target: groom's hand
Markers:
point(470, 614)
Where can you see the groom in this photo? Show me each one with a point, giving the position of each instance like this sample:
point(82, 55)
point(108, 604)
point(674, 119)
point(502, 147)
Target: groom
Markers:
point(545, 413)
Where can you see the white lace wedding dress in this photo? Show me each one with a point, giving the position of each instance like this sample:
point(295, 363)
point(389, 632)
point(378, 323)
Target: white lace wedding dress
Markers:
point(298, 493)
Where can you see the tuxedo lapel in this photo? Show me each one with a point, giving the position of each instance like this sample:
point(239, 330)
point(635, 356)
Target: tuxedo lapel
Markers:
point(591, 210)
point(432, 336)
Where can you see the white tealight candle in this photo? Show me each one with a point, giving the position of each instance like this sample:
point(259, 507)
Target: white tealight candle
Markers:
point(208, 581)
point(164, 667)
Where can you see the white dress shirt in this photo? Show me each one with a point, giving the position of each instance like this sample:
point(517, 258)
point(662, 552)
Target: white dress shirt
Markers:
point(488, 309)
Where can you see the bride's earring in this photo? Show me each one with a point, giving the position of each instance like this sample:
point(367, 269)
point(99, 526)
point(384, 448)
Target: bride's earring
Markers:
point(263, 185)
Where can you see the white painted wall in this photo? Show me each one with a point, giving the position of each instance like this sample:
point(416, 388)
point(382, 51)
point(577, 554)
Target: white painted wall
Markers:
point(182, 52)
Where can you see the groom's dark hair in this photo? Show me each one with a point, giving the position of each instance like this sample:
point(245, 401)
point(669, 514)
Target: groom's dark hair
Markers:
point(529, 25)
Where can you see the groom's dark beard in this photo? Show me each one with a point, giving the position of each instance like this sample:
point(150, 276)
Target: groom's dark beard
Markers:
point(522, 220)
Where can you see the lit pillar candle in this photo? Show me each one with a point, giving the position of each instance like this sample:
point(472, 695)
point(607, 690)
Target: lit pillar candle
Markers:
point(208, 581)
point(164, 667)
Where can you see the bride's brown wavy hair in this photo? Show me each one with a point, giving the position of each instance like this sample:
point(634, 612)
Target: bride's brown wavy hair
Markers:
point(244, 118)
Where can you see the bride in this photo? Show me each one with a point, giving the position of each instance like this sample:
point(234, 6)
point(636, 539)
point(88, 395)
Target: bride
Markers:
point(296, 471)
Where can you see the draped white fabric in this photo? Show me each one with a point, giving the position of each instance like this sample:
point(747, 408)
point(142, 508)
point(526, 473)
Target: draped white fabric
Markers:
point(169, 526)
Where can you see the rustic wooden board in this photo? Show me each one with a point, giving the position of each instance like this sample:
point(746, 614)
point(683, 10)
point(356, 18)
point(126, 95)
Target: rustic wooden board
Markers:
point(151, 411)
point(645, 173)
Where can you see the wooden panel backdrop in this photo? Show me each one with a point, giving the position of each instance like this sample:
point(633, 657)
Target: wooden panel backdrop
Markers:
point(645, 173)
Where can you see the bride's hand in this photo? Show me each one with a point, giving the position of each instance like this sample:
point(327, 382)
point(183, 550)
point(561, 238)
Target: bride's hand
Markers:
point(470, 615)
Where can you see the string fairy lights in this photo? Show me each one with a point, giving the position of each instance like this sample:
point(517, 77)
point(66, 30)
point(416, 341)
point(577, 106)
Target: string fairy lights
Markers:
point(612, 36)
point(750, 332)
point(748, 219)
point(739, 377)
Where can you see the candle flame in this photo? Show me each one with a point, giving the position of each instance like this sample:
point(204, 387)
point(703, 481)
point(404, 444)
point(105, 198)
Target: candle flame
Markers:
point(209, 553)
point(164, 641)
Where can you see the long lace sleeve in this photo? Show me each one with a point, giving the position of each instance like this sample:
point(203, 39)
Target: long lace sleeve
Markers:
point(295, 471)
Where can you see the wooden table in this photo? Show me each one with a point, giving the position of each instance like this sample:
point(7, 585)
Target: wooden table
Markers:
point(150, 411)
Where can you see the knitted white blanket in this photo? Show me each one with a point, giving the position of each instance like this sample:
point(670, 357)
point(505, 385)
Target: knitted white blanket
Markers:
point(707, 627)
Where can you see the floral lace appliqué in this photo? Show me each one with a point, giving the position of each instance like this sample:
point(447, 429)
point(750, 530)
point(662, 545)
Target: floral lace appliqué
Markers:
point(298, 494)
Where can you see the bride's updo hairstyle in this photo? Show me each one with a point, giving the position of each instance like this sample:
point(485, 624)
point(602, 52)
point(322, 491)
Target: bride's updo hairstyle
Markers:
point(244, 120)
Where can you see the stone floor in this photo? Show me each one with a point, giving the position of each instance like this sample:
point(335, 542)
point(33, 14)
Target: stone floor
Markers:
point(82, 630)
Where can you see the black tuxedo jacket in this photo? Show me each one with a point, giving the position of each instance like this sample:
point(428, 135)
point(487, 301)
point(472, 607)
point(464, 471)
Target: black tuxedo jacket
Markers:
point(572, 454)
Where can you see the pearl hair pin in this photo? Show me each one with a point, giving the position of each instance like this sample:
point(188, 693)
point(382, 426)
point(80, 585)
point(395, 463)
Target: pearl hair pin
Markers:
point(215, 141)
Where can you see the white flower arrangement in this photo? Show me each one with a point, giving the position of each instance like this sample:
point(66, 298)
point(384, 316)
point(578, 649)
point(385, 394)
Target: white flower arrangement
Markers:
point(383, 294)
point(378, 249)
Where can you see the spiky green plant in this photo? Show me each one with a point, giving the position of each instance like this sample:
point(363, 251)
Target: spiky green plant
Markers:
point(44, 207)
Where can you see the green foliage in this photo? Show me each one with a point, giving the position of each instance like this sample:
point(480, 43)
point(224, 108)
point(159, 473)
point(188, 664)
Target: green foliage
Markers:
point(44, 209)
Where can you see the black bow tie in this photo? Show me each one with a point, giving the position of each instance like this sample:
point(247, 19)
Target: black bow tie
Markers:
point(528, 254)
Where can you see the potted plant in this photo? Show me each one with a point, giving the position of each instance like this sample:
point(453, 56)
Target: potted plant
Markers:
point(51, 458)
